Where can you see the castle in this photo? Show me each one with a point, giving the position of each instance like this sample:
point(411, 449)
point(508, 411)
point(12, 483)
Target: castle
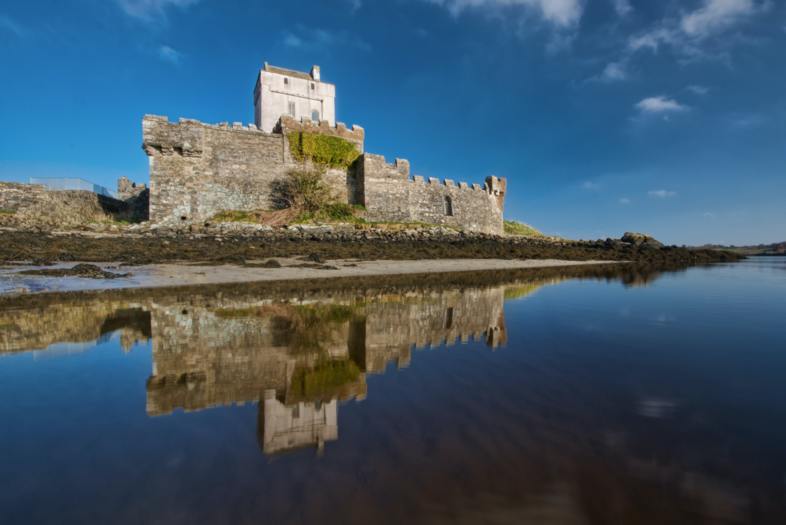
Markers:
point(198, 170)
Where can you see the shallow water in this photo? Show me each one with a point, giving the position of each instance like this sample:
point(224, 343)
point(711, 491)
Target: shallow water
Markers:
point(538, 401)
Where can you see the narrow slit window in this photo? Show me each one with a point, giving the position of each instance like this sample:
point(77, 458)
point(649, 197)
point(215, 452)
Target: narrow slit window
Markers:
point(292, 109)
point(286, 81)
point(315, 116)
point(448, 206)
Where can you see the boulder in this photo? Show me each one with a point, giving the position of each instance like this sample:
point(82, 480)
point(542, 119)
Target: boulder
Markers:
point(641, 240)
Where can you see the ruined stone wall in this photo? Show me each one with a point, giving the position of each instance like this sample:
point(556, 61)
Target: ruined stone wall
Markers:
point(33, 205)
point(391, 195)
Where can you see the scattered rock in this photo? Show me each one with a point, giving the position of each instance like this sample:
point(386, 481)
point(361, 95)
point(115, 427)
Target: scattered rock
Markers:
point(89, 271)
point(270, 263)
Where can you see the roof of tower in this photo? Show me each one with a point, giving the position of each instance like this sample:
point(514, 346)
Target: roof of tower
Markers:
point(287, 72)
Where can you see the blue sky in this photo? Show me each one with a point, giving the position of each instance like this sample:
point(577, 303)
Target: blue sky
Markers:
point(667, 117)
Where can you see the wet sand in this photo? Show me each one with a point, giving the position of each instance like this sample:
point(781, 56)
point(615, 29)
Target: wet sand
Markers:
point(14, 283)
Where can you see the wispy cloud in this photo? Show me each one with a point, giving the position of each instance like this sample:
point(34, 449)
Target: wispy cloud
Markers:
point(624, 201)
point(149, 10)
point(354, 5)
point(169, 54)
point(9, 25)
point(590, 185)
point(315, 39)
point(613, 72)
point(746, 120)
point(687, 32)
point(662, 194)
point(717, 15)
point(622, 7)
point(560, 13)
point(697, 89)
point(660, 105)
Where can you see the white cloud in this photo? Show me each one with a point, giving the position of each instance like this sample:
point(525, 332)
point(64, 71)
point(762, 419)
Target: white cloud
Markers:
point(152, 9)
point(697, 89)
point(613, 72)
point(689, 29)
point(662, 194)
point(321, 39)
point(169, 54)
point(10, 25)
point(660, 104)
point(624, 201)
point(622, 7)
point(291, 40)
point(354, 5)
point(590, 185)
point(716, 15)
point(561, 13)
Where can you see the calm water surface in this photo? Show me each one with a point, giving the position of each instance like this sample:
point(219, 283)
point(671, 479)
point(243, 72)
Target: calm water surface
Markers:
point(545, 400)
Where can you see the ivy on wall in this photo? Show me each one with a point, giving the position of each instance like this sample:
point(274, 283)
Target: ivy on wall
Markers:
point(325, 150)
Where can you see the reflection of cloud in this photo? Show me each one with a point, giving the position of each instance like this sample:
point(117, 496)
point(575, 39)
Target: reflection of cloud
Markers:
point(656, 408)
point(663, 318)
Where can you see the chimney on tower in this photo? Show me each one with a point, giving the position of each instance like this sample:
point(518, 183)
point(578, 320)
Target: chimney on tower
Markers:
point(315, 72)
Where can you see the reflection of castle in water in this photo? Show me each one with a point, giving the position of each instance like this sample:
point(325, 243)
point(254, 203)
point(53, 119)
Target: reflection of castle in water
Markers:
point(299, 360)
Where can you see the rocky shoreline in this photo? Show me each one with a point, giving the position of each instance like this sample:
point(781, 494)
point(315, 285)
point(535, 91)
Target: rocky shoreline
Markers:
point(233, 243)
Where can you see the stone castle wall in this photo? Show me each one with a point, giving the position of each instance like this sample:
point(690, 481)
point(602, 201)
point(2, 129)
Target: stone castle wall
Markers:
point(198, 170)
point(390, 194)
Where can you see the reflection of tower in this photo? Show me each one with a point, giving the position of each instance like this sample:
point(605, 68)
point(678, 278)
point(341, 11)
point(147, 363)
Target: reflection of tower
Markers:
point(285, 427)
point(496, 335)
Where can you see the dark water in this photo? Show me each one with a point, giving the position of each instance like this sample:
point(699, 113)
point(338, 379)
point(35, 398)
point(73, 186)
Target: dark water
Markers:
point(546, 400)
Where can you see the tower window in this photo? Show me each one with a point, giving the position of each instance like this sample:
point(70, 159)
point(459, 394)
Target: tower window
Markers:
point(315, 116)
point(286, 81)
point(312, 86)
point(448, 206)
point(292, 109)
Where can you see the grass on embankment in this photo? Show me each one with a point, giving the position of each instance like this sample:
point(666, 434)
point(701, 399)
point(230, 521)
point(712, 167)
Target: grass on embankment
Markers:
point(521, 229)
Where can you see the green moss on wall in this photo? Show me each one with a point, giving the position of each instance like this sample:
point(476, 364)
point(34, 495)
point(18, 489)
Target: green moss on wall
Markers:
point(325, 150)
point(324, 381)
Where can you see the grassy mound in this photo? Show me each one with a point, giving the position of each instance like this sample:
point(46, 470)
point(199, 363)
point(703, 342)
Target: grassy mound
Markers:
point(521, 229)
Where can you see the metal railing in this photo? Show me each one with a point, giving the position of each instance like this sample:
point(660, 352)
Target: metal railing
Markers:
point(71, 183)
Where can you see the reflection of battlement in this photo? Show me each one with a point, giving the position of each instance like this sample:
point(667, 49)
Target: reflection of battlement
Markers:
point(65, 323)
point(394, 326)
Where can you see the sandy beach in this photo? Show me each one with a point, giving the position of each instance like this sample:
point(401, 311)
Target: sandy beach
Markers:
point(13, 283)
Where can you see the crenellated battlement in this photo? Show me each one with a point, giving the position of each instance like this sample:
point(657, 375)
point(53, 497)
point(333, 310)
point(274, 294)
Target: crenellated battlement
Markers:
point(400, 169)
point(391, 194)
point(355, 134)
